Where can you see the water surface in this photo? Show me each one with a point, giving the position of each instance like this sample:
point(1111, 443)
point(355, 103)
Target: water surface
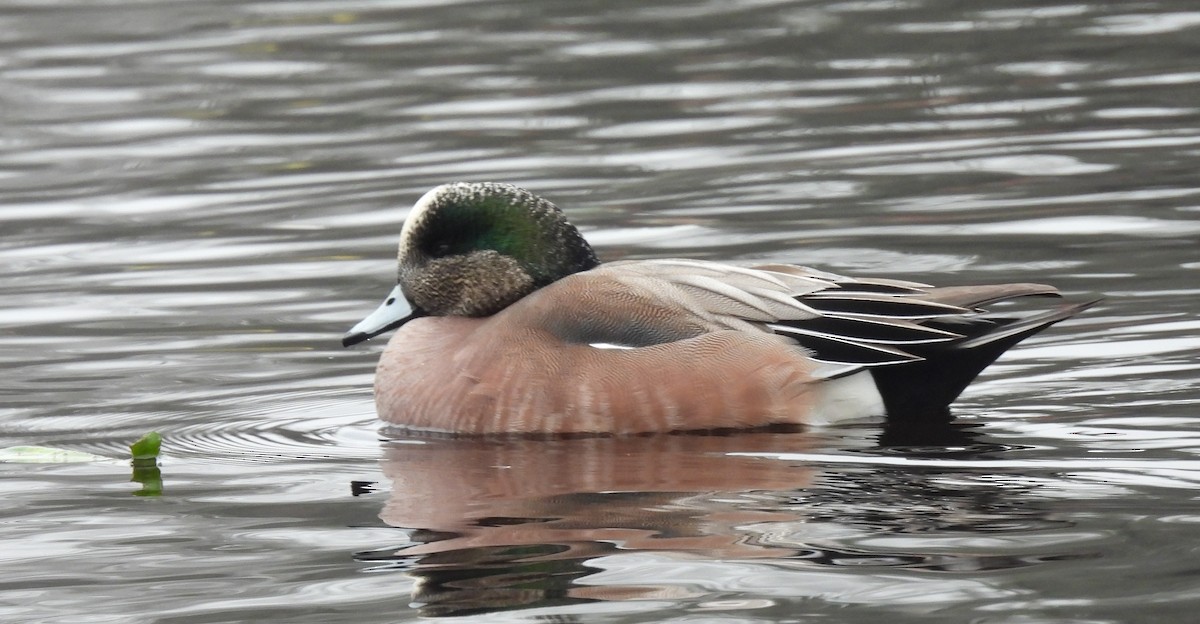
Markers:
point(198, 198)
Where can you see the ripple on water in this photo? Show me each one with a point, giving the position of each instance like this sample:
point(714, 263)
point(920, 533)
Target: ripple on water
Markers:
point(199, 198)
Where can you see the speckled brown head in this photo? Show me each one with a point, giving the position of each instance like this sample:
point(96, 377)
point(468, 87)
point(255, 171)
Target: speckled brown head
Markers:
point(472, 249)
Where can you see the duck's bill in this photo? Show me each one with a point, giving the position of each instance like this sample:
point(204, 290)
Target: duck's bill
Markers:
point(392, 313)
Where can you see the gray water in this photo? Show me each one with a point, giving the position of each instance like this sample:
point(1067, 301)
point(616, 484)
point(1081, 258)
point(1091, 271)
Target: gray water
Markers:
point(197, 198)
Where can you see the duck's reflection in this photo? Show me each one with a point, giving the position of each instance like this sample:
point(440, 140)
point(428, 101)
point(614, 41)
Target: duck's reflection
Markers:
point(517, 523)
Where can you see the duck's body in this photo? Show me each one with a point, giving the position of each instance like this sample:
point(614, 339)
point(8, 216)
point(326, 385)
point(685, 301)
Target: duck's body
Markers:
point(515, 328)
point(568, 361)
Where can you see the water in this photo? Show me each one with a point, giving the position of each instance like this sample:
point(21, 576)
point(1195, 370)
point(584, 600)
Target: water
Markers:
point(197, 198)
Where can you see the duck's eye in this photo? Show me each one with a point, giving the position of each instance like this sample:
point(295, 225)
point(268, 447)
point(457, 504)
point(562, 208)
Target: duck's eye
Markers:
point(441, 248)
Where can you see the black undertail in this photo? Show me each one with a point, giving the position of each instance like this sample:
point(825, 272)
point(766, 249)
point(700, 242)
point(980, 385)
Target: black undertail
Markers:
point(922, 350)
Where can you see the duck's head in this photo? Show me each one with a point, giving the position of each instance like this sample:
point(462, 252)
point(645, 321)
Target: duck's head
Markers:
point(472, 249)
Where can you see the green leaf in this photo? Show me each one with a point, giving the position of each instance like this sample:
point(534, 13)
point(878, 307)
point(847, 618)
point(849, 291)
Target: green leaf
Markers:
point(147, 447)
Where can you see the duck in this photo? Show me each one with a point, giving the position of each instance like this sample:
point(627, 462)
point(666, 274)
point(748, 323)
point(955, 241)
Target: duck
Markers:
point(507, 323)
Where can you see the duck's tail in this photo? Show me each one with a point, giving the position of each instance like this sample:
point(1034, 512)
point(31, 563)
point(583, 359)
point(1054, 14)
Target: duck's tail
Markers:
point(923, 389)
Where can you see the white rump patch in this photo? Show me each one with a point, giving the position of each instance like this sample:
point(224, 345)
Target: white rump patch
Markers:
point(849, 398)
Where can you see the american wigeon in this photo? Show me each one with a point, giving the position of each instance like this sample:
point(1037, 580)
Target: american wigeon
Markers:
point(509, 324)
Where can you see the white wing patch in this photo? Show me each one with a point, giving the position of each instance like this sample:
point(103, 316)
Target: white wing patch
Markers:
point(608, 345)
